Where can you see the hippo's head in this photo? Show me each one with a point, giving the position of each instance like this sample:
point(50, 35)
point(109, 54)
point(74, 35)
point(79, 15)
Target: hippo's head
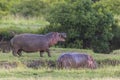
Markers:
point(91, 63)
point(62, 36)
point(56, 37)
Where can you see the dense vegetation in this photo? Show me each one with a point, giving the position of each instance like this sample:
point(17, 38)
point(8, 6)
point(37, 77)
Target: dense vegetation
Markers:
point(91, 24)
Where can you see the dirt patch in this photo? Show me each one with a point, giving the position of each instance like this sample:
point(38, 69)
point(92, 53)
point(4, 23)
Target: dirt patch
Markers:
point(34, 63)
point(51, 64)
point(30, 64)
point(40, 63)
point(108, 62)
point(8, 65)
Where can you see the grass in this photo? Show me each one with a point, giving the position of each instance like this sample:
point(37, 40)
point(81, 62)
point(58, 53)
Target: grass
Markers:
point(112, 72)
point(20, 22)
point(56, 52)
point(45, 73)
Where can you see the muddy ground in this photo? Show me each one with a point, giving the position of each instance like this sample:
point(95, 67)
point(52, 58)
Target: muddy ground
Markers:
point(51, 64)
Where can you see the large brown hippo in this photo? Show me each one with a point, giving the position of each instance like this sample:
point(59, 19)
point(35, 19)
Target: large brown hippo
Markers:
point(76, 60)
point(34, 42)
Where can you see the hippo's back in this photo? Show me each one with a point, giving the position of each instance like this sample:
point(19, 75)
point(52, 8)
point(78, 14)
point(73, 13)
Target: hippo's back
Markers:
point(25, 38)
point(77, 57)
point(29, 42)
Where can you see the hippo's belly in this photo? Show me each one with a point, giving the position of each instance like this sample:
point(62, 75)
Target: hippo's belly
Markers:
point(34, 48)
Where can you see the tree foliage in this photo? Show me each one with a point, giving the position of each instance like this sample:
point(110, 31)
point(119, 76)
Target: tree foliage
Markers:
point(30, 8)
point(88, 25)
point(113, 6)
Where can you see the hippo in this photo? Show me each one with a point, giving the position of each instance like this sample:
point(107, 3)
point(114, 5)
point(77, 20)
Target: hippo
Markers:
point(76, 60)
point(35, 42)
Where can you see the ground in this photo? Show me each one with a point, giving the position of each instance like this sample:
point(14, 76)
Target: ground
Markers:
point(32, 67)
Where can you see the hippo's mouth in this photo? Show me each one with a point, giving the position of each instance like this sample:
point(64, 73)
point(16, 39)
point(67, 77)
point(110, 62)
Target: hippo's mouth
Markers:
point(62, 36)
point(62, 39)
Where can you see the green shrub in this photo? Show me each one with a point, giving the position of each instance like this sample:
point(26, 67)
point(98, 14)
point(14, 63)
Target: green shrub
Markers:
point(112, 5)
point(7, 34)
point(87, 24)
point(116, 39)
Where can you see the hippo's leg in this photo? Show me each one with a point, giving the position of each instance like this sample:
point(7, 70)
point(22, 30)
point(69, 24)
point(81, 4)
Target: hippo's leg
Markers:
point(48, 51)
point(3, 51)
point(41, 53)
point(19, 52)
point(14, 52)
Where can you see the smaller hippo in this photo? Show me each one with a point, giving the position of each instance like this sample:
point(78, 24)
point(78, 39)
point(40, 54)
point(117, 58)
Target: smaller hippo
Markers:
point(76, 60)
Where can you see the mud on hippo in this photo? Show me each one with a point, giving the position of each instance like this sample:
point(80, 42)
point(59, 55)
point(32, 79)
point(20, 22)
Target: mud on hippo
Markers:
point(35, 42)
point(77, 60)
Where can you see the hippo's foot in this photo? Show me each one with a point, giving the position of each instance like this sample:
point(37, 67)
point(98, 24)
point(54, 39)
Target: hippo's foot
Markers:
point(49, 55)
point(15, 55)
point(20, 54)
point(41, 55)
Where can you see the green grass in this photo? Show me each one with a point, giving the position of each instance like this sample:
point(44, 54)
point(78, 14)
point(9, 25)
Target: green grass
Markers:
point(56, 52)
point(61, 74)
point(45, 73)
point(20, 22)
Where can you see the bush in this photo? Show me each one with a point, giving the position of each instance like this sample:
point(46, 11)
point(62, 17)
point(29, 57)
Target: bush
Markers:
point(112, 5)
point(87, 24)
point(7, 33)
point(116, 38)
